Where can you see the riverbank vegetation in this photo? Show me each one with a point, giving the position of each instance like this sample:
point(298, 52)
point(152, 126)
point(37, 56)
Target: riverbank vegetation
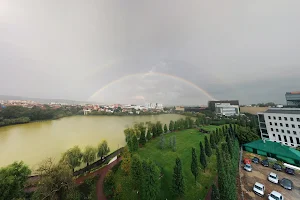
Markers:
point(20, 115)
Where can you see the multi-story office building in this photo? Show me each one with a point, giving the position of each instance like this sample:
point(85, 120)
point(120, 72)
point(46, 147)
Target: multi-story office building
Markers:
point(292, 98)
point(281, 125)
point(226, 109)
point(212, 104)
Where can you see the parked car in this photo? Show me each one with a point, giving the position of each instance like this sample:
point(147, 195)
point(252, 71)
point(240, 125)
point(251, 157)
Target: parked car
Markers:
point(248, 168)
point(286, 184)
point(277, 167)
point(265, 163)
point(289, 171)
point(255, 160)
point(274, 195)
point(272, 177)
point(259, 189)
point(247, 161)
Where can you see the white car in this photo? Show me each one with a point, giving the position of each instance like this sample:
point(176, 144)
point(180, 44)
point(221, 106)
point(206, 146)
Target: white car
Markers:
point(272, 177)
point(248, 168)
point(259, 189)
point(275, 196)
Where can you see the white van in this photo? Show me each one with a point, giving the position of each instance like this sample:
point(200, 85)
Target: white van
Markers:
point(259, 189)
point(275, 196)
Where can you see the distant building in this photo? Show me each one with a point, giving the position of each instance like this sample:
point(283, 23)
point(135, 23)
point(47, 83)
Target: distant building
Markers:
point(194, 109)
point(212, 107)
point(292, 98)
point(281, 125)
point(226, 109)
point(179, 108)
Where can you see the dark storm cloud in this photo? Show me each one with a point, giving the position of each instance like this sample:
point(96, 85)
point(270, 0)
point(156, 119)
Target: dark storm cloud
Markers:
point(70, 49)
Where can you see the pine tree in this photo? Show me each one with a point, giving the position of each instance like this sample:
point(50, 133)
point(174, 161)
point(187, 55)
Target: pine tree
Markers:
point(202, 157)
point(142, 140)
point(186, 124)
point(212, 140)
point(222, 176)
point(162, 142)
point(154, 130)
point(165, 128)
point(174, 144)
point(149, 136)
point(217, 138)
point(159, 128)
point(223, 130)
point(178, 182)
point(135, 144)
point(194, 164)
point(151, 182)
point(207, 147)
point(215, 195)
point(175, 126)
point(171, 126)
point(136, 171)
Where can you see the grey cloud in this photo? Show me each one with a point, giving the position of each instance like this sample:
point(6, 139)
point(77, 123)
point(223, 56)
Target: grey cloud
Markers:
point(69, 49)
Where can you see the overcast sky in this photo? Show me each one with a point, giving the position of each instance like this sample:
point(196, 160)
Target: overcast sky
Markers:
point(136, 51)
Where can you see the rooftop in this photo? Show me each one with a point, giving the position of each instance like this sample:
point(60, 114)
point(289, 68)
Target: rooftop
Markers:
point(295, 111)
point(274, 148)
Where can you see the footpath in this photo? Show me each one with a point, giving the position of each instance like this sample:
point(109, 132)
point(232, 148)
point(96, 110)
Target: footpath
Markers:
point(101, 173)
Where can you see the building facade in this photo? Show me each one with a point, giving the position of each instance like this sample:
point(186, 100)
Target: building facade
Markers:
point(292, 98)
point(226, 109)
point(212, 107)
point(281, 125)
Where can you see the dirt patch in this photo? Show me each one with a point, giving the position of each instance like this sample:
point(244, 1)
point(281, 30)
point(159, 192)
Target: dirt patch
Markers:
point(253, 110)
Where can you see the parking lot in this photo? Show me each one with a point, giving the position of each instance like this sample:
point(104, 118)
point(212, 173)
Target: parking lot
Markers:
point(259, 174)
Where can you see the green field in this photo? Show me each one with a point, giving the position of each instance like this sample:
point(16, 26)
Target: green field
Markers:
point(165, 159)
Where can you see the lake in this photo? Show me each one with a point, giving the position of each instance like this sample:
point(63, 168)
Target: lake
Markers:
point(34, 142)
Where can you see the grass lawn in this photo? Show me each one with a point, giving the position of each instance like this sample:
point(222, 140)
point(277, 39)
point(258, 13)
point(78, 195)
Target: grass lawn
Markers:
point(211, 127)
point(185, 140)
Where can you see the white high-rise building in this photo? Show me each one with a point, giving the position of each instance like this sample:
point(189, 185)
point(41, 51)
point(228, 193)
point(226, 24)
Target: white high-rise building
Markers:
point(281, 125)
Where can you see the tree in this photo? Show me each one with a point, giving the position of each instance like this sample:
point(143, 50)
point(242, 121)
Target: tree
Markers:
point(212, 140)
point(89, 155)
point(215, 195)
point(162, 142)
point(175, 126)
point(55, 180)
point(12, 180)
point(159, 128)
point(126, 161)
point(194, 165)
point(207, 147)
point(103, 149)
point(165, 128)
point(151, 182)
point(73, 157)
point(154, 130)
point(174, 143)
point(136, 171)
point(178, 186)
point(202, 157)
point(171, 126)
point(186, 124)
point(135, 143)
point(149, 136)
point(142, 139)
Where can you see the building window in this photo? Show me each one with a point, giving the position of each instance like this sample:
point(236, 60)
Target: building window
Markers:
point(271, 123)
point(288, 131)
point(275, 124)
point(272, 129)
point(285, 140)
point(279, 137)
point(274, 117)
point(279, 118)
point(291, 139)
point(282, 131)
point(277, 130)
point(286, 125)
point(298, 141)
point(281, 124)
point(293, 125)
point(292, 119)
point(285, 118)
point(274, 135)
point(298, 126)
point(269, 117)
point(298, 119)
point(295, 133)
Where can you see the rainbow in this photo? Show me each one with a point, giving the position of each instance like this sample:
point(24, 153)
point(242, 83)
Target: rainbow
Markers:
point(156, 74)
